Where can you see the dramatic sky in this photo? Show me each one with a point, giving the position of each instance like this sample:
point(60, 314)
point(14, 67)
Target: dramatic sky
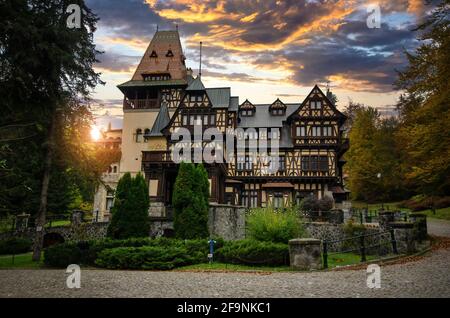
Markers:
point(262, 49)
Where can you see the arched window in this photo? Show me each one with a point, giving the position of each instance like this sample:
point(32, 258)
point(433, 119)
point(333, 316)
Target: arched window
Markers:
point(115, 169)
point(138, 135)
point(153, 54)
point(169, 53)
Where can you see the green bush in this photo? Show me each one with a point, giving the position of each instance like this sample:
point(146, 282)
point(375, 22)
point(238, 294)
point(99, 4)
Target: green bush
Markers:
point(15, 245)
point(311, 203)
point(352, 229)
point(252, 252)
point(86, 253)
point(267, 224)
point(153, 257)
point(130, 210)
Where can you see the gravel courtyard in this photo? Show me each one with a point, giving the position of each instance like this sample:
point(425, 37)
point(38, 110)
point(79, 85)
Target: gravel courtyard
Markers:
point(429, 276)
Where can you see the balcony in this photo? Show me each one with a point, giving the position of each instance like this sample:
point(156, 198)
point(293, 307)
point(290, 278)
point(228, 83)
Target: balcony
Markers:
point(140, 103)
point(156, 156)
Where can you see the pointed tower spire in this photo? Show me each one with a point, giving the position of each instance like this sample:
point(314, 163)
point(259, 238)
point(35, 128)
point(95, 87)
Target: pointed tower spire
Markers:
point(200, 67)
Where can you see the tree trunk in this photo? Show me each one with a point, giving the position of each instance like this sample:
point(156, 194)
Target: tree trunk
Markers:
point(40, 218)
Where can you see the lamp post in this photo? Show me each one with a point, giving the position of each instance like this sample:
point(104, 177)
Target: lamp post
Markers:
point(379, 179)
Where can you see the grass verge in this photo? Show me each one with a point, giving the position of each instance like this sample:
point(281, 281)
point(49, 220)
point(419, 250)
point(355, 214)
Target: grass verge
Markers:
point(20, 261)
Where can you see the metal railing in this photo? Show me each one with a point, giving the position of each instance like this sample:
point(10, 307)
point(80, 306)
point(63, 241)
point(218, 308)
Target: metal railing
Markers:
point(372, 216)
point(379, 243)
point(13, 223)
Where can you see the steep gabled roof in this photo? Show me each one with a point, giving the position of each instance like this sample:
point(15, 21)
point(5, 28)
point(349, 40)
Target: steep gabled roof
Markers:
point(330, 103)
point(196, 85)
point(161, 121)
point(264, 118)
point(219, 97)
point(156, 57)
point(234, 103)
point(277, 104)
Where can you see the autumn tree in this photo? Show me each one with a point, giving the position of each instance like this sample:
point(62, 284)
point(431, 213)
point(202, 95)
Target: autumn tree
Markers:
point(424, 107)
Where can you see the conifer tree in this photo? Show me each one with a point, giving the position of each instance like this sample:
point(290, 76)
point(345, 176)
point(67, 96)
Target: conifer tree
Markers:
point(190, 202)
point(130, 210)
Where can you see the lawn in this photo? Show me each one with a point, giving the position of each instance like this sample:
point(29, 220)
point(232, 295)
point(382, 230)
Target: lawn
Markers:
point(20, 261)
point(377, 206)
point(443, 214)
point(440, 213)
point(58, 223)
point(343, 259)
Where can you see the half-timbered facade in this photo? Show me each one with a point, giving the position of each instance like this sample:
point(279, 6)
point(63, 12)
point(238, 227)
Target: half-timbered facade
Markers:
point(164, 97)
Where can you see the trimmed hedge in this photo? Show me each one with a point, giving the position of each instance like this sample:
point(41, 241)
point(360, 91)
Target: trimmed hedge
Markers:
point(86, 253)
point(148, 257)
point(15, 245)
point(252, 252)
point(164, 253)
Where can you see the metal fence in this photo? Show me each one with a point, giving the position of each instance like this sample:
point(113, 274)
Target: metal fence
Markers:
point(375, 244)
point(13, 223)
point(372, 216)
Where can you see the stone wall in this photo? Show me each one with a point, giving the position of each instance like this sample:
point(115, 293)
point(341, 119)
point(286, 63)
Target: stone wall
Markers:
point(160, 227)
point(226, 221)
point(81, 232)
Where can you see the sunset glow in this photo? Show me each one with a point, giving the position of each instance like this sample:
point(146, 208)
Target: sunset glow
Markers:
point(95, 133)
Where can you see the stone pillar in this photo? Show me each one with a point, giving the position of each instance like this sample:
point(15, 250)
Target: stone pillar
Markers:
point(385, 218)
point(22, 222)
point(336, 216)
point(305, 254)
point(405, 237)
point(77, 217)
point(226, 221)
point(420, 225)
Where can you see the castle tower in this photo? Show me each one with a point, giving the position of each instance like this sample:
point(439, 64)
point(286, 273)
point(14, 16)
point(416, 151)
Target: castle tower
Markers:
point(160, 75)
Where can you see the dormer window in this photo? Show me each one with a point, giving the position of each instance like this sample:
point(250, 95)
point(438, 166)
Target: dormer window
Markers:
point(169, 53)
point(277, 112)
point(153, 54)
point(156, 77)
point(247, 112)
point(247, 109)
point(316, 104)
point(278, 108)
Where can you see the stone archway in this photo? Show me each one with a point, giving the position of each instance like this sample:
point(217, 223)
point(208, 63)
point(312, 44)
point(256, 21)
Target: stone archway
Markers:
point(52, 238)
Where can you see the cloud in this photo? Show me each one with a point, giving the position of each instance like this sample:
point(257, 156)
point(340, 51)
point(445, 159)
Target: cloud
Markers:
point(303, 41)
point(114, 62)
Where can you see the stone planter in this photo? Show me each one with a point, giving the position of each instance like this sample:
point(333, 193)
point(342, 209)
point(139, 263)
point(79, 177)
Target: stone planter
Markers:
point(305, 254)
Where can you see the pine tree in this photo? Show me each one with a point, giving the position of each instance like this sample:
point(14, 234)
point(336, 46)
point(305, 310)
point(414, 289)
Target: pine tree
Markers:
point(130, 210)
point(190, 202)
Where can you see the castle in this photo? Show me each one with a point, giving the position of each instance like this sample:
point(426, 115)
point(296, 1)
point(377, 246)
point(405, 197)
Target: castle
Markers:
point(163, 97)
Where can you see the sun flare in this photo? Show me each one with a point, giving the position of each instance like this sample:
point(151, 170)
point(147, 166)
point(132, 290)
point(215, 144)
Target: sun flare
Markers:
point(95, 133)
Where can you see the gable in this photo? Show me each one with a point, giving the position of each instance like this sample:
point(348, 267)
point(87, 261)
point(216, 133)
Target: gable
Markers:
point(317, 104)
